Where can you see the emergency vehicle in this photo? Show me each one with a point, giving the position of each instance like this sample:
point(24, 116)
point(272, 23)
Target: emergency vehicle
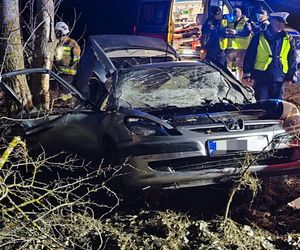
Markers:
point(179, 21)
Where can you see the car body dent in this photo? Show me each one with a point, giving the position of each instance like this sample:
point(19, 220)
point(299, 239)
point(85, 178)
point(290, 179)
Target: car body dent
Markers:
point(112, 44)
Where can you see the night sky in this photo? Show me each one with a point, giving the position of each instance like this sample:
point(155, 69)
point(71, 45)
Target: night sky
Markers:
point(291, 6)
point(99, 16)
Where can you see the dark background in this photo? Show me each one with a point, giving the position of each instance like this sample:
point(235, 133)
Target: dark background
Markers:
point(119, 16)
point(99, 16)
point(291, 6)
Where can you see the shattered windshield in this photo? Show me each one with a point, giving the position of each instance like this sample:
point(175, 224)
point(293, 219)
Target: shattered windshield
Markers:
point(180, 86)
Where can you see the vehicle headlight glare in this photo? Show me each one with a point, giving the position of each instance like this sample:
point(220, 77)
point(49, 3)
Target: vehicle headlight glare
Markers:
point(287, 140)
point(144, 127)
point(138, 130)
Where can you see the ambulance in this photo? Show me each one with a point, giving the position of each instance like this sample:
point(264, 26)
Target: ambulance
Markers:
point(180, 21)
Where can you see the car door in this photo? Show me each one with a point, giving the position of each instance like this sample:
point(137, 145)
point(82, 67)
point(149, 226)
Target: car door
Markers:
point(77, 129)
point(76, 132)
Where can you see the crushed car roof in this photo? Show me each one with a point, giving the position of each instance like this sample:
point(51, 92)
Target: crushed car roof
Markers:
point(115, 42)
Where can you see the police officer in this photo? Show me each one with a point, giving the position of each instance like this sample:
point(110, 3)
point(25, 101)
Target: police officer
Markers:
point(271, 59)
point(67, 52)
point(262, 22)
point(236, 36)
point(210, 38)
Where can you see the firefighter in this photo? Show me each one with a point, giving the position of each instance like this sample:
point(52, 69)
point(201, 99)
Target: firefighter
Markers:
point(210, 38)
point(67, 53)
point(271, 59)
point(236, 36)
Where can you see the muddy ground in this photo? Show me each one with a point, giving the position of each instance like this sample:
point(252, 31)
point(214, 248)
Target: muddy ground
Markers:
point(292, 93)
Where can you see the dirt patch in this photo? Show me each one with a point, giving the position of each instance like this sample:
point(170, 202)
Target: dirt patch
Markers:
point(271, 210)
point(292, 93)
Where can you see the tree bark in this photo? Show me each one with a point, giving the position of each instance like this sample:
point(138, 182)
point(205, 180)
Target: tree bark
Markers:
point(11, 52)
point(44, 48)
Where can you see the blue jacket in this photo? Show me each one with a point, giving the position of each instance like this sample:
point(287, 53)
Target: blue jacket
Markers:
point(210, 36)
point(260, 26)
point(274, 72)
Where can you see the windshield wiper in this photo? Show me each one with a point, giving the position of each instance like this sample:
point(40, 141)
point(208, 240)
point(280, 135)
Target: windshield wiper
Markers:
point(166, 106)
point(144, 105)
point(147, 106)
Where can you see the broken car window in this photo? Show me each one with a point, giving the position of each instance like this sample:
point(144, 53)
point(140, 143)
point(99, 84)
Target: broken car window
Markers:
point(180, 86)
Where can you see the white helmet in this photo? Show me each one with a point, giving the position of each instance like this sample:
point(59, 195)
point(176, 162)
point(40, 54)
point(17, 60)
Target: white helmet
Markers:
point(62, 27)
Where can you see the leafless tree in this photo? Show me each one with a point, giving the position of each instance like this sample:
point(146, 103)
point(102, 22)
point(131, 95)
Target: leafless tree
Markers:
point(11, 53)
point(36, 40)
point(44, 48)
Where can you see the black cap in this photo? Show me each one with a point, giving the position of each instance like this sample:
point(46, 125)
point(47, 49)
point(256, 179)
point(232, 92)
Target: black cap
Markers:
point(215, 10)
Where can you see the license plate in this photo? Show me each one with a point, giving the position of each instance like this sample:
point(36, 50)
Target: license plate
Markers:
point(244, 144)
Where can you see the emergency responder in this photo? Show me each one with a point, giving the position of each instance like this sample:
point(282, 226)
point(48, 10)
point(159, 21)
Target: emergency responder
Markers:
point(67, 53)
point(262, 22)
point(236, 35)
point(210, 38)
point(271, 59)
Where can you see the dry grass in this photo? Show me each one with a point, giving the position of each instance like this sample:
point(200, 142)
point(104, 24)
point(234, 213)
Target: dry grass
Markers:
point(47, 204)
point(175, 230)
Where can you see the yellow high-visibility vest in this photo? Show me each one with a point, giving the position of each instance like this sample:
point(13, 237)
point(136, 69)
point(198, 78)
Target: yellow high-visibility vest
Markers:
point(235, 42)
point(223, 41)
point(265, 56)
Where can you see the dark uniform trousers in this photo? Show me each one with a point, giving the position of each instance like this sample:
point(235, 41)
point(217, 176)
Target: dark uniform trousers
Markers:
point(268, 90)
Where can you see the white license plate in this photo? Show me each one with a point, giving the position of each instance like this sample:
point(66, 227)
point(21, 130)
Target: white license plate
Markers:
point(244, 144)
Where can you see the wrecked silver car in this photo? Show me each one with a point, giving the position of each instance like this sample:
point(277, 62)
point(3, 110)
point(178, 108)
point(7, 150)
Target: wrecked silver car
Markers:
point(176, 124)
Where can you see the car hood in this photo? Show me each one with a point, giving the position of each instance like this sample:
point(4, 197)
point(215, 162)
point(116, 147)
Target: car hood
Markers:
point(205, 115)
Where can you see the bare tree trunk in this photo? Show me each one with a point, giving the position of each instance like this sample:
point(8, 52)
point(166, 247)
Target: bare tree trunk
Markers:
point(11, 52)
point(44, 47)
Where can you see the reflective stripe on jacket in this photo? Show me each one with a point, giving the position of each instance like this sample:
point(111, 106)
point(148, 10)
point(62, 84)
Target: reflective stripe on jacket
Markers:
point(265, 56)
point(224, 41)
point(67, 56)
point(235, 42)
point(67, 70)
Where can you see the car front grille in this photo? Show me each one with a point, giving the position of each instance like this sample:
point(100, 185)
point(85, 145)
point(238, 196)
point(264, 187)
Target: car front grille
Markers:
point(222, 128)
point(236, 161)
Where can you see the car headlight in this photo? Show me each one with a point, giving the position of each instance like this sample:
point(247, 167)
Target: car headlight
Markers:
point(286, 140)
point(144, 127)
point(289, 110)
